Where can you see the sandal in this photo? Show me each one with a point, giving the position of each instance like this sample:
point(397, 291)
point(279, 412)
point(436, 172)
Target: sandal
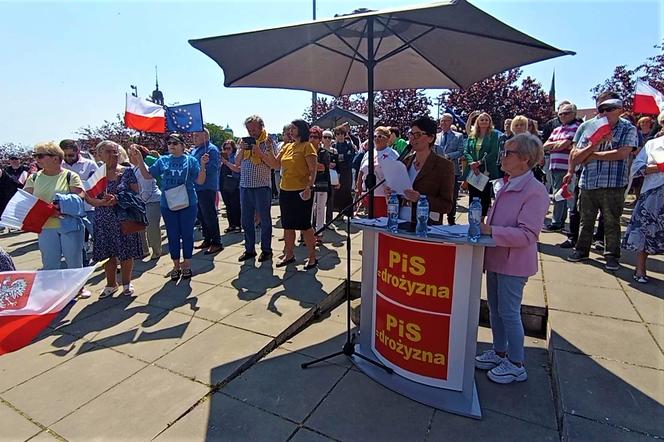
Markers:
point(128, 289)
point(641, 279)
point(175, 274)
point(186, 273)
point(108, 291)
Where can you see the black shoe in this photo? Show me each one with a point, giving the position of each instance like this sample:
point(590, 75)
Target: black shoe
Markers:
point(567, 244)
point(175, 274)
point(246, 255)
point(553, 228)
point(285, 262)
point(311, 265)
point(203, 245)
point(612, 263)
point(577, 256)
point(186, 273)
point(264, 256)
point(215, 248)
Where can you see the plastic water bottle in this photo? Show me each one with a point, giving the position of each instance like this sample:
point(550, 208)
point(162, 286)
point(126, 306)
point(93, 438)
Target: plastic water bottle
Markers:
point(422, 216)
point(393, 213)
point(474, 219)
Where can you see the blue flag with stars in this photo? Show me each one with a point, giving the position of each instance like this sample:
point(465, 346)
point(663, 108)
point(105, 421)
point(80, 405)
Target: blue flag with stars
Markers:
point(184, 118)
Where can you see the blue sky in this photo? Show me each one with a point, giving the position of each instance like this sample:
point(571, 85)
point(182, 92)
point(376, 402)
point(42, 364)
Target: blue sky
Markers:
point(68, 65)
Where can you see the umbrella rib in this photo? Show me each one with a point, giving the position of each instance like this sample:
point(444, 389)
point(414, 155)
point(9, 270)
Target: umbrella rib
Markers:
point(541, 45)
point(336, 51)
point(303, 45)
point(405, 45)
point(356, 54)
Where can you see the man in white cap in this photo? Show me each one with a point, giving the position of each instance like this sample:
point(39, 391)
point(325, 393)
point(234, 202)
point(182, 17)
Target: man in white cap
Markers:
point(604, 177)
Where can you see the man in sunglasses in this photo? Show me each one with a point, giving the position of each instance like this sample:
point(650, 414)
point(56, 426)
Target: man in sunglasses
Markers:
point(559, 146)
point(603, 179)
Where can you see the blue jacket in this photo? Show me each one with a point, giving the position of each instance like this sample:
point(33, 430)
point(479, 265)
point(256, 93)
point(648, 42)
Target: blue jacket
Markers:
point(211, 168)
point(72, 209)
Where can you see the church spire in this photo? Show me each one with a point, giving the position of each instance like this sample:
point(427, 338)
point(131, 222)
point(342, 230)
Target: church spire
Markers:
point(157, 96)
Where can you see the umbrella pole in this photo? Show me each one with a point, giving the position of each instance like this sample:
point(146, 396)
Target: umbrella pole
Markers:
point(371, 62)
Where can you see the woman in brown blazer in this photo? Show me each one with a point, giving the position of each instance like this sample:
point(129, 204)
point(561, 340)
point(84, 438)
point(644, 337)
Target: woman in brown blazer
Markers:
point(431, 174)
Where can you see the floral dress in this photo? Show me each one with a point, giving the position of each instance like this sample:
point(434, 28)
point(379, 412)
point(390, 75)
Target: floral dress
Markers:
point(108, 240)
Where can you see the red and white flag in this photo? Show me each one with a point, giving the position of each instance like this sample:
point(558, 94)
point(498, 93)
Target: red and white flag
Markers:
point(143, 115)
point(647, 99)
point(96, 184)
point(26, 212)
point(29, 301)
point(598, 128)
point(563, 193)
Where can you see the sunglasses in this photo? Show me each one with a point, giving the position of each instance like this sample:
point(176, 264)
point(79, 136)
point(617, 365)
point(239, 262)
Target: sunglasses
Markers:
point(603, 109)
point(314, 137)
point(505, 153)
point(40, 156)
point(416, 135)
point(327, 137)
point(169, 143)
point(379, 136)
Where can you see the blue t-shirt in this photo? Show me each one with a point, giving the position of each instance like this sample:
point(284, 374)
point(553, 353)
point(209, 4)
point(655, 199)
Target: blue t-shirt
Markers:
point(172, 171)
point(212, 167)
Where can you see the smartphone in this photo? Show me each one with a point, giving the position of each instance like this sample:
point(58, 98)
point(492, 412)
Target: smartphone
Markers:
point(249, 141)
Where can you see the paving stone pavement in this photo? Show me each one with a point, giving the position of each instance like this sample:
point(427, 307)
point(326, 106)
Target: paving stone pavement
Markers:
point(129, 368)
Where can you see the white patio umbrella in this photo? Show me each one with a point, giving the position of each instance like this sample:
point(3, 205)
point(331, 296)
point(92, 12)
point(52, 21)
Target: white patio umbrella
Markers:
point(450, 44)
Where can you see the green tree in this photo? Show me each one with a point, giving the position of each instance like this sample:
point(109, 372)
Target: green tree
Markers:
point(217, 134)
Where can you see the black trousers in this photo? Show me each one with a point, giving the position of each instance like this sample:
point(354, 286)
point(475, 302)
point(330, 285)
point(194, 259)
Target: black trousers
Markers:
point(232, 202)
point(207, 215)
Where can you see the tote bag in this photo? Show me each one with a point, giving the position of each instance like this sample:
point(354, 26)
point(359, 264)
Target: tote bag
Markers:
point(177, 198)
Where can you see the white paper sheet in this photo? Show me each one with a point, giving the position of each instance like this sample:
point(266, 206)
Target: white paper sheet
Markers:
point(396, 176)
point(477, 181)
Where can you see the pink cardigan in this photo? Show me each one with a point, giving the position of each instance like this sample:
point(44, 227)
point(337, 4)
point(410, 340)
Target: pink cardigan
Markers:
point(516, 218)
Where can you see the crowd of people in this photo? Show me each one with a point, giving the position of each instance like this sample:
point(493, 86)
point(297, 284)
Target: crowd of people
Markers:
point(315, 172)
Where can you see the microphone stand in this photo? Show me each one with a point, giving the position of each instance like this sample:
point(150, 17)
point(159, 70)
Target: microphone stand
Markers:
point(348, 349)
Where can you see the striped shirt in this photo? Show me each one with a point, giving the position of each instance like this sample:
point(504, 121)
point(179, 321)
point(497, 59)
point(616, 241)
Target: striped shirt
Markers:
point(560, 159)
point(606, 174)
point(256, 175)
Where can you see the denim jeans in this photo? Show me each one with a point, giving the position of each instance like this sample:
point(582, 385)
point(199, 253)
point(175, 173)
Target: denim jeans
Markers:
point(256, 200)
point(504, 294)
point(207, 215)
point(180, 228)
point(559, 207)
point(53, 246)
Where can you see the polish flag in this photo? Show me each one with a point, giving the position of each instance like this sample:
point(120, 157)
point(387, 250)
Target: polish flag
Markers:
point(26, 212)
point(96, 184)
point(29, 301)
point(563, 194)
point(598, 128)
point(647, 99)
point(143, 115)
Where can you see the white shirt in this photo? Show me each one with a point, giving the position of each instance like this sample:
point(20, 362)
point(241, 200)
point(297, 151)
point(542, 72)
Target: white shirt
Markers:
point(387, 154)
point(84, 168)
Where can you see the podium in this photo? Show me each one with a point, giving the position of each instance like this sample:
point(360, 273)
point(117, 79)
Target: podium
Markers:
point(419, 316)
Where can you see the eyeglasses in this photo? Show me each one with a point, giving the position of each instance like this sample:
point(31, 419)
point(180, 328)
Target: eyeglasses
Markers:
point(416, 135)
point(560, 114)
point(40, 156)
point(314, 137)
point(603, 109)
point(379, 136)
point(327, 137)
point(505, 153)
point(169, 143)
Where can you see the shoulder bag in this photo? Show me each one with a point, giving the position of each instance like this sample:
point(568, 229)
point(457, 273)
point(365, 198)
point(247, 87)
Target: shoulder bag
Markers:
point(177, 198)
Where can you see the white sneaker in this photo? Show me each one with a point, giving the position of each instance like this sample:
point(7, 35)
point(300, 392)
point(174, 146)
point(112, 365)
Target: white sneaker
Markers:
point(84, 294)
point(108, 291)
point(507, 373)
point(487, 360)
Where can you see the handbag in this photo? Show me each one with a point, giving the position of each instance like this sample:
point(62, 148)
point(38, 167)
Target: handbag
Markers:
point(177, 198)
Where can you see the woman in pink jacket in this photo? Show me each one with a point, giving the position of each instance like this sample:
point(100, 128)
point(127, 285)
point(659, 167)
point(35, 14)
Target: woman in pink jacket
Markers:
point(514, 222)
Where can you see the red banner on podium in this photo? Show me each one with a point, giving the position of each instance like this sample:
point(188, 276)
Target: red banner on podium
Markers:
point(413, 340)
point(416, 274)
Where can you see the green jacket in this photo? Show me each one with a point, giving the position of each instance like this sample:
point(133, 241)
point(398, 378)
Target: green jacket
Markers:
point(490, 148)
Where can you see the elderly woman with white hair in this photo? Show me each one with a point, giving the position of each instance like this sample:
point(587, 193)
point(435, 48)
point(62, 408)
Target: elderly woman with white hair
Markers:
point(109, 243)
point(514, 222)
point(645, 232)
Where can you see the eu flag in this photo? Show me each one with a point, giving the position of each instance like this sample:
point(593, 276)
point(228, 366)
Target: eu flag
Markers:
point(184, 118)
